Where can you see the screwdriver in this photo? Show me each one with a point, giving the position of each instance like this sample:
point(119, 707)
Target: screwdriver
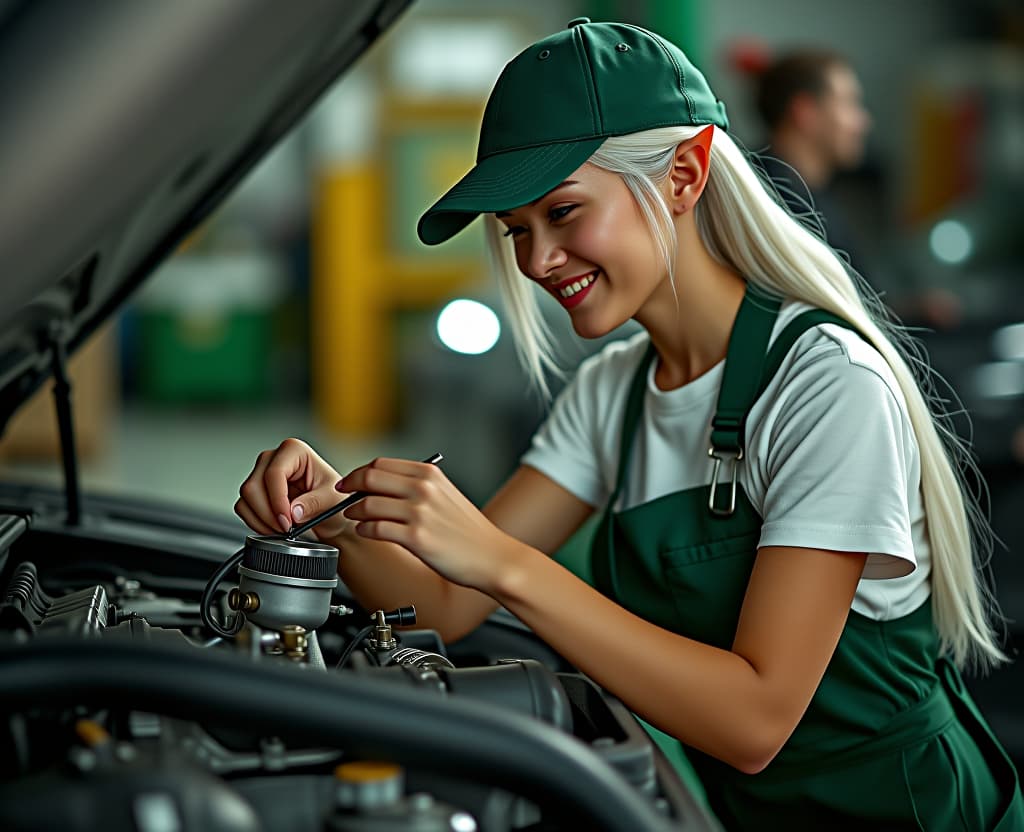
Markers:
point(351, 499)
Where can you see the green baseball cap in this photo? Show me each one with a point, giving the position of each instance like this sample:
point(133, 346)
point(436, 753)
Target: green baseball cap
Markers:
point(557, 101)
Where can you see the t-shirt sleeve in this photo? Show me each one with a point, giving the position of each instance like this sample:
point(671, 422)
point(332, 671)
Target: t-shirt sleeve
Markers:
point(838, 460)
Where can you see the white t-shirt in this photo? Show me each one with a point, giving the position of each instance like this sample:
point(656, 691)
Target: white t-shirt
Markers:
point(830, 459)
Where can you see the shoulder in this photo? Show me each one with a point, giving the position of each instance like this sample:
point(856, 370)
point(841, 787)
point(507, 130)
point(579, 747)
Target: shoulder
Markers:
point(832, 360)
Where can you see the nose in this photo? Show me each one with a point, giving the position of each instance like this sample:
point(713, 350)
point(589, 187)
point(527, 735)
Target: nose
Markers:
point(545, 255)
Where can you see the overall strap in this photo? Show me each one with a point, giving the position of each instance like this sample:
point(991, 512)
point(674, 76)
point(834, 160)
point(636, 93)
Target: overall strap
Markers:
point(634, 407)
point(738, 394)
point(744, 368)
point(749, 367)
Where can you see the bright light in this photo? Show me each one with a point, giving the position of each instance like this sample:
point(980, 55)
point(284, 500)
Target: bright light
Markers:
point(951, 242)
point(468, 327)
point(1008, 342)
point(462, 822)
point(999, 380)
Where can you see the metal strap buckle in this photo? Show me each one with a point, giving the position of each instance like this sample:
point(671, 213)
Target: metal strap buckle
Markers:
point(719, 456)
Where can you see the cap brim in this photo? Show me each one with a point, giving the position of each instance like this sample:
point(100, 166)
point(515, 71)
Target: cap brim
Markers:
point(502, 182)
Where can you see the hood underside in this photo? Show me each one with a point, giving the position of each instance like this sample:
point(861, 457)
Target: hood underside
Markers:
point(124, 125)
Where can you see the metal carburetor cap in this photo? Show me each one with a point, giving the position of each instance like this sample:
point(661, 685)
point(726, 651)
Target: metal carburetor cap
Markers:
point(291, 580)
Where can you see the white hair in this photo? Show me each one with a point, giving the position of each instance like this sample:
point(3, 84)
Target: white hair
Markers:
point(744, 226)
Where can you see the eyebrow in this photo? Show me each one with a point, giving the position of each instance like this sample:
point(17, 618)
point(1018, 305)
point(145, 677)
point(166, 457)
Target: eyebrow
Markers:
point(538, 199)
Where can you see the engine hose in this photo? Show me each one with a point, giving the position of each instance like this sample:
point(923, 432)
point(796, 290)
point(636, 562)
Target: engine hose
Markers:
point(362, 716)
point(205, 613)
point(357, 639)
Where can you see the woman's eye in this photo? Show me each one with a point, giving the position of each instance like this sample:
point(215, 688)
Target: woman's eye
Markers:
point(554, 214)
point(560, 212)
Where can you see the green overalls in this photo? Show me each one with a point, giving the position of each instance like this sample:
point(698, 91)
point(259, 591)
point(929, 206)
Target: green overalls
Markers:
point(891, 740)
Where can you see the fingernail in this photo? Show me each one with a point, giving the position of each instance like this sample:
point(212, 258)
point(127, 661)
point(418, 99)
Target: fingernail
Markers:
point(340, 485)
point(285, 525)
point(297, 513)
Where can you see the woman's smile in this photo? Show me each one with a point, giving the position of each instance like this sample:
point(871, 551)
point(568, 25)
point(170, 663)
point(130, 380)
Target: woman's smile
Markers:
point(559, 239)
point(571, 292)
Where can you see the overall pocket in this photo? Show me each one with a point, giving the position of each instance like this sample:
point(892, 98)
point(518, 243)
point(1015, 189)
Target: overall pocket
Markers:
point(708, 582)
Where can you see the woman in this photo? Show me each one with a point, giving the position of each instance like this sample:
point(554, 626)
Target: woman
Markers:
point(782, 574)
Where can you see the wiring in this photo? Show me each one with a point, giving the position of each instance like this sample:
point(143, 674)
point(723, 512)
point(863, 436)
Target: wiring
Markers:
point(352, 645)
point(206, 601)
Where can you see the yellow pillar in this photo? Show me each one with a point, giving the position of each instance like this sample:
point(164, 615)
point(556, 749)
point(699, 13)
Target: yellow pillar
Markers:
point(358, 281)
point(351, 344)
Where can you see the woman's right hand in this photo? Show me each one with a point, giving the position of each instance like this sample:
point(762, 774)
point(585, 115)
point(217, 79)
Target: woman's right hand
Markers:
point(288, 485)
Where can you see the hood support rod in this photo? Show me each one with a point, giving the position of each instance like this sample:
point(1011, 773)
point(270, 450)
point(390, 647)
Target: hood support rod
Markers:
point(65, 424)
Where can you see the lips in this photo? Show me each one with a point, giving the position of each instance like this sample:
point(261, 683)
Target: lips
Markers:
point(571, 292)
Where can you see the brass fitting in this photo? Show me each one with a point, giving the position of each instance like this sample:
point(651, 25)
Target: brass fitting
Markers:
point(295, 641)
point(382, 639)
point(243, 602)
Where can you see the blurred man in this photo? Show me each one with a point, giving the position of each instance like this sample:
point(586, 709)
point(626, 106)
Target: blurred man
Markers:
point(810, 102)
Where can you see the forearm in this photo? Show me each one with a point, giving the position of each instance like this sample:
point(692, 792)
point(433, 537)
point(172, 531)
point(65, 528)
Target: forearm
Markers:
point(709, 698)
point(384, 575)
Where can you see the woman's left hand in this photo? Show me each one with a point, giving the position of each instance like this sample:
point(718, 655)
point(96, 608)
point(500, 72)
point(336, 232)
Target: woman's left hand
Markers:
point(416, 506)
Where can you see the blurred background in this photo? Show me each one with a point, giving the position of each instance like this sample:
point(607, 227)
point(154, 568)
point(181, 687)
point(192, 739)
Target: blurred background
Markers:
point(307, 307)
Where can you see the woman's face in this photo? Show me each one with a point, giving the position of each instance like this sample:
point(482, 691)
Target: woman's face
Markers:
point(586, 243)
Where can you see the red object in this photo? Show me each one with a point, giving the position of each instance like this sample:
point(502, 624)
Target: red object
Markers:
point(748, 56)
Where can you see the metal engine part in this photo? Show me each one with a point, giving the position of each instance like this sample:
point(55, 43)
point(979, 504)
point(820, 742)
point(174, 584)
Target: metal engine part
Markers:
point(286, 582)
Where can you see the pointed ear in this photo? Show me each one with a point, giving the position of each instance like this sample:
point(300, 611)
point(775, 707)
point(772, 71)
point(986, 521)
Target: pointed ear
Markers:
point(689, 174)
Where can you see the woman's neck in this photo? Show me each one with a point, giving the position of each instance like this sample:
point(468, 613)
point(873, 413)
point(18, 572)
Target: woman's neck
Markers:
point(691, 334)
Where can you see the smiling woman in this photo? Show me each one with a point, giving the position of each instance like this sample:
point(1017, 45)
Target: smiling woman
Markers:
point(585, 236)
point(782, 576)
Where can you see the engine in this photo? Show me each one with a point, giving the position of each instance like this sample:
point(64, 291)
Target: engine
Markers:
point(269, 701)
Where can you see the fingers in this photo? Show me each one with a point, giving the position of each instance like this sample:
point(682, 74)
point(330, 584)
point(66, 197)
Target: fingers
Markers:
point(286, 484)
point(393, 477)
point(387, 530)
point(381, 508)
point(251, 519)
point(291, 462)
point(404, 501)
point(253, 506)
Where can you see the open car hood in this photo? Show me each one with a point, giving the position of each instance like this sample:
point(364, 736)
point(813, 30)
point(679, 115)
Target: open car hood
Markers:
point(124, 125)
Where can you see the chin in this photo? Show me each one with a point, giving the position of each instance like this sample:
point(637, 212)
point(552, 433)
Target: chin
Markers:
point(592, 330)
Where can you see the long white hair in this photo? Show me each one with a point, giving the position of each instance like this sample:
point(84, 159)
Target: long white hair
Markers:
point(744, 226)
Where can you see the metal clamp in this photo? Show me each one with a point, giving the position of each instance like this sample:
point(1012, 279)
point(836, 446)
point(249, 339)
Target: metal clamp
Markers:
point(719, 456)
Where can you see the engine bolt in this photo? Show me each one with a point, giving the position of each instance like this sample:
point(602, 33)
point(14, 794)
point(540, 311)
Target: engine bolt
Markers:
point(243, 602)
point(295, 642)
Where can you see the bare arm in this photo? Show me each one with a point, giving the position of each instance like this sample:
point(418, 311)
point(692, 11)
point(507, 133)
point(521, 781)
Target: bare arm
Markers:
point(529, 508)
point(293, 478)
point(738, 705)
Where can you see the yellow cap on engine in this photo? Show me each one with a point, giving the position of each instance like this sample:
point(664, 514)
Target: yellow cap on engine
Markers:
point(367, 771)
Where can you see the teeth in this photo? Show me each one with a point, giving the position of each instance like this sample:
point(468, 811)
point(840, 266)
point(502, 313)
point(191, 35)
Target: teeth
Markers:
point(579, 285)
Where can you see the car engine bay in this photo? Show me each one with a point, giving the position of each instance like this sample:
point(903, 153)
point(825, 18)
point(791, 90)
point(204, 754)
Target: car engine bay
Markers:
point(128, 705)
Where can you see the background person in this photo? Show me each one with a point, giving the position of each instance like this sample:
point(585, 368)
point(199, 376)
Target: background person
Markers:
point(792, 607)
point(811, 103)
